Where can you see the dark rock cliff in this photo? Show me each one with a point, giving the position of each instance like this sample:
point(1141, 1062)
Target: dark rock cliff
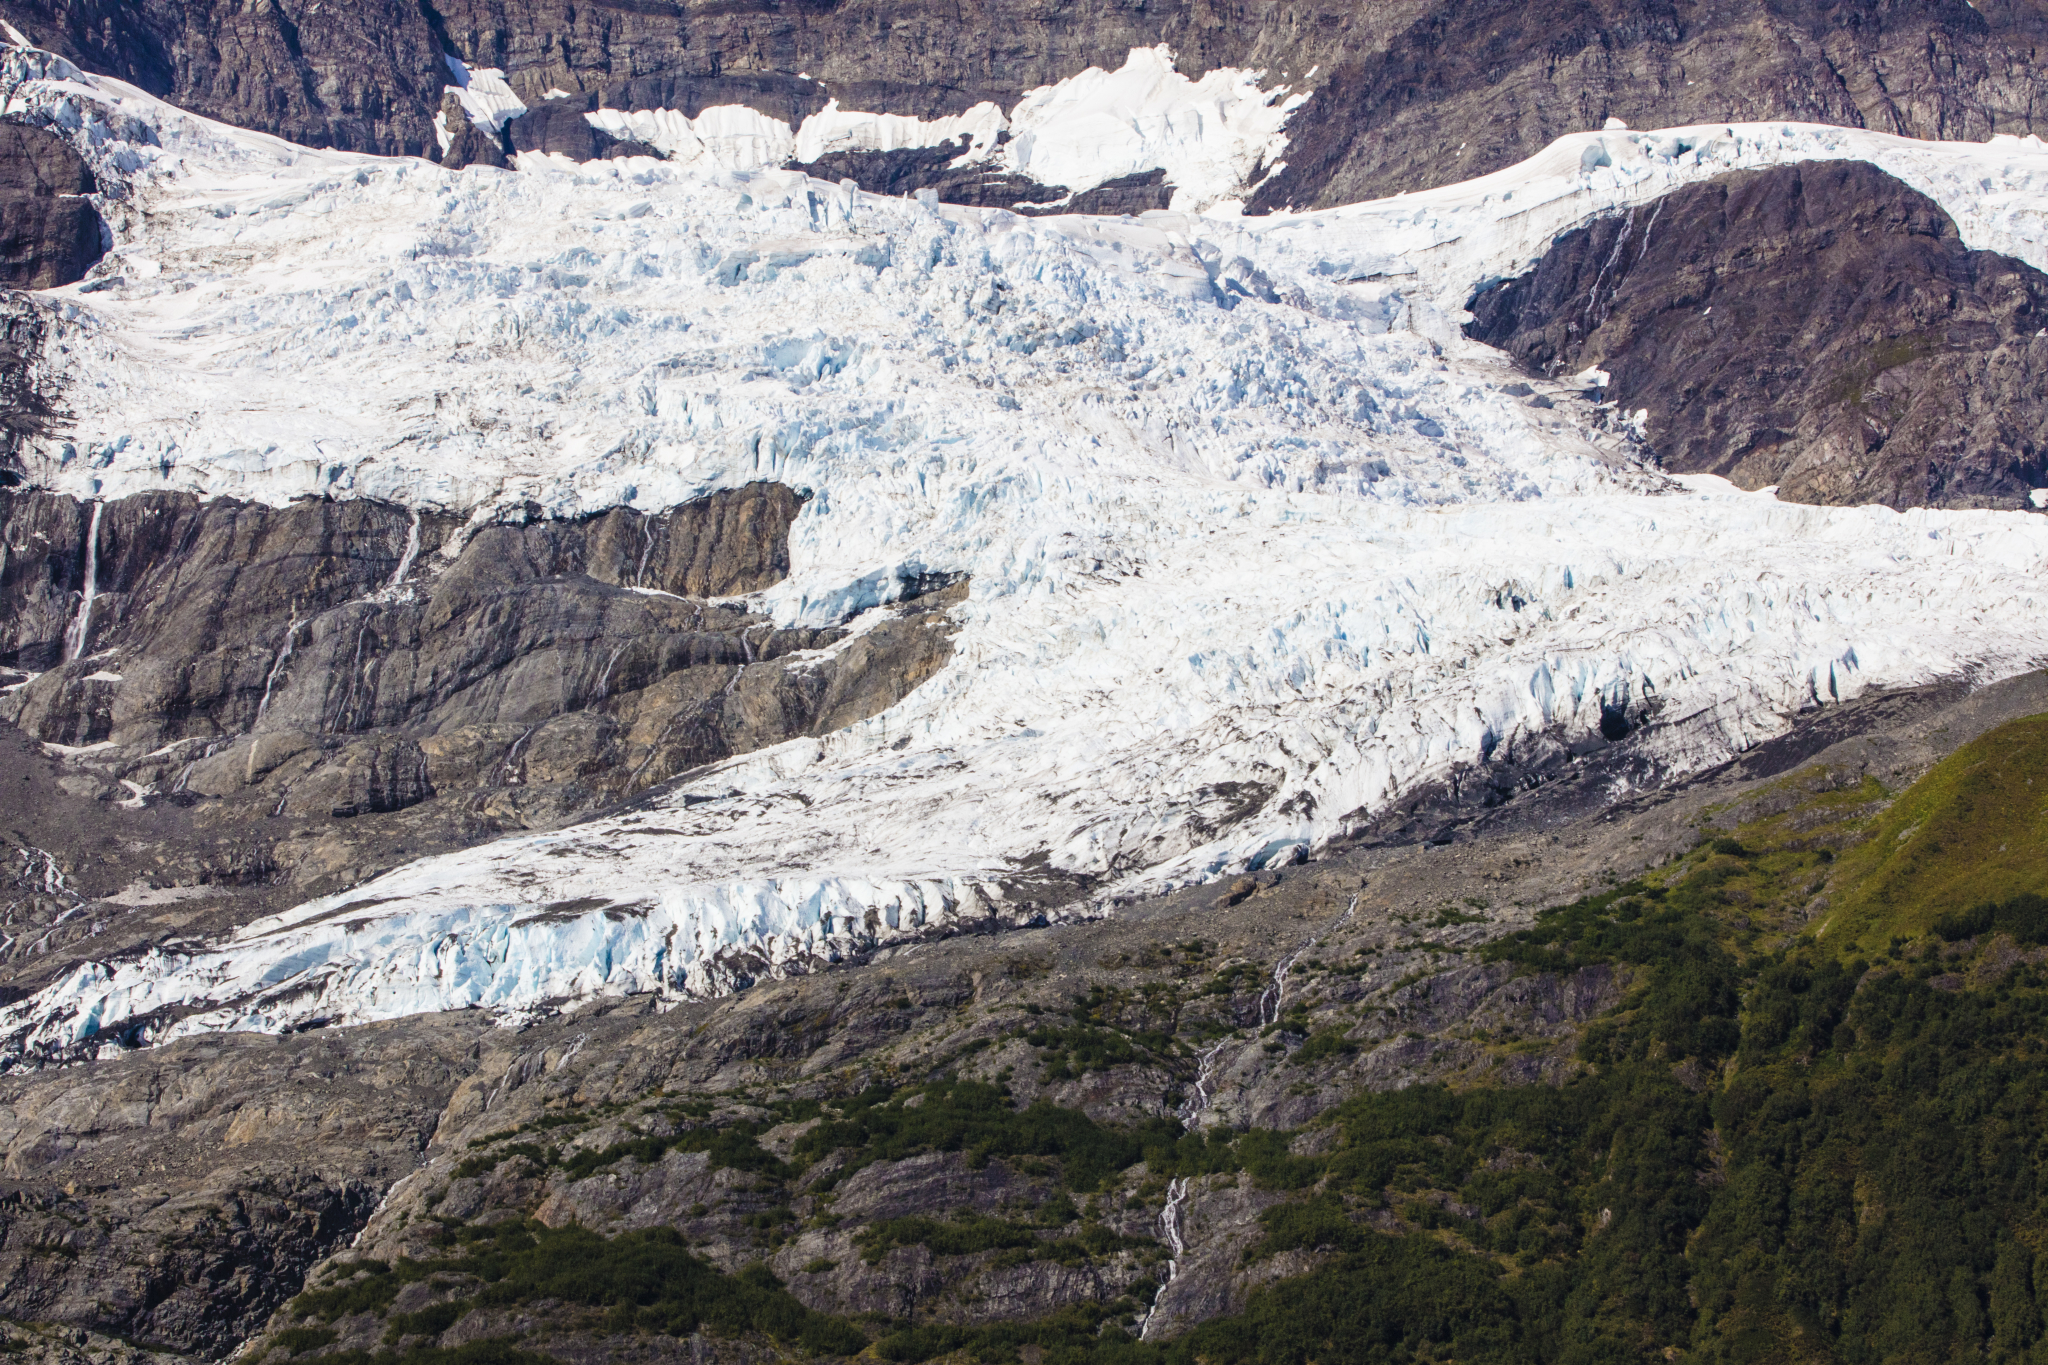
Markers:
point(274, 701)
point(1820, 327)
point(1410, 94)
point(50, 234)
point(1447, 91)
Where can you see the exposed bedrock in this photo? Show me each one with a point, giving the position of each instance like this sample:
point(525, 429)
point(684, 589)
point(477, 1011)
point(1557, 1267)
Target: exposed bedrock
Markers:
point(29, 406)
point(1442, 92)
point(1409, 94)
point(910, 169)
point(50, 233)
point(1820, 327)
point(216, 1180)
point(290, 699)
point(469, 145)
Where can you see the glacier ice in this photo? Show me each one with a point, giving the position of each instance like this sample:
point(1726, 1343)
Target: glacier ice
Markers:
point(1212, 137)
point(1240, 506)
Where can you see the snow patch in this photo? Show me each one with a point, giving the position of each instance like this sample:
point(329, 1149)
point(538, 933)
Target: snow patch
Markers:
point(485, 97)
point(833, 129)
point(727, 137)
point(1211, 136)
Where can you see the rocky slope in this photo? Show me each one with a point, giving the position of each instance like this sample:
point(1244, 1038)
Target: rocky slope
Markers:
point(271, 703)
point(1283, 594)
point(1404, 96)
point(1459, 90)
point(178, 1197)
point(1820, 327)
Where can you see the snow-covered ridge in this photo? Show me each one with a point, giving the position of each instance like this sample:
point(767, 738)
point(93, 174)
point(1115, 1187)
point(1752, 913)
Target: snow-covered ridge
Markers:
point(1239, 504)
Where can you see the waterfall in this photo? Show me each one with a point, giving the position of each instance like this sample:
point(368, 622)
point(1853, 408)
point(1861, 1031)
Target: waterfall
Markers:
point(646, 549)
point(1194, 1106)
point(81, 627)
point(604, 682)
point(411, 552)
point(291, 633)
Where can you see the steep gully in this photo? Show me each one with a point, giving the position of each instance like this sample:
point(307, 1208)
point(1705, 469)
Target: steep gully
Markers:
point(1190, 1111)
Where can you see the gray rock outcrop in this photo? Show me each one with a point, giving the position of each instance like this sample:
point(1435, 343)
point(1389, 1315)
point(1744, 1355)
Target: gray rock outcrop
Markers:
point(1820, 327)
point(265, 703)
point(50, 233)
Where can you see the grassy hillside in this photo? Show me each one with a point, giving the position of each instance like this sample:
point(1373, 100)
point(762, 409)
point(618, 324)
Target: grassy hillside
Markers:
point(1974, 829)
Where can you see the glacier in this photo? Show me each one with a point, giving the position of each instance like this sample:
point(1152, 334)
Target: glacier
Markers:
point(1239, 505)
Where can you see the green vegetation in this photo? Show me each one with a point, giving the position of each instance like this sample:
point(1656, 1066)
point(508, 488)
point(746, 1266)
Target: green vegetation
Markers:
point(1322, 1046)
point(1974, 829)
point(487, 1351)
point(1112, 1028)
point(2024, 918)
point(296, 1341)
point(1079, 1049)
point(1068, 1337)
point(976, 1118)
point(733, 1146)
point(646, 1281)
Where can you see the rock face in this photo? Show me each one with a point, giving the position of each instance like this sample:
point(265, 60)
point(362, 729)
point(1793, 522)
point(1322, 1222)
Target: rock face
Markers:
point(27, 406)
point(283, 700)
point(909, 170)
point(361, 77)
point(468, 145)
point(49, 230)
point(214, 1176)
point(1448, 91)
point(1411, 94)
point(1820, 327)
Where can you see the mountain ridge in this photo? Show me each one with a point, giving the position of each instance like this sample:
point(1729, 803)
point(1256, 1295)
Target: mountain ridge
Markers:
point(1390, 83)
